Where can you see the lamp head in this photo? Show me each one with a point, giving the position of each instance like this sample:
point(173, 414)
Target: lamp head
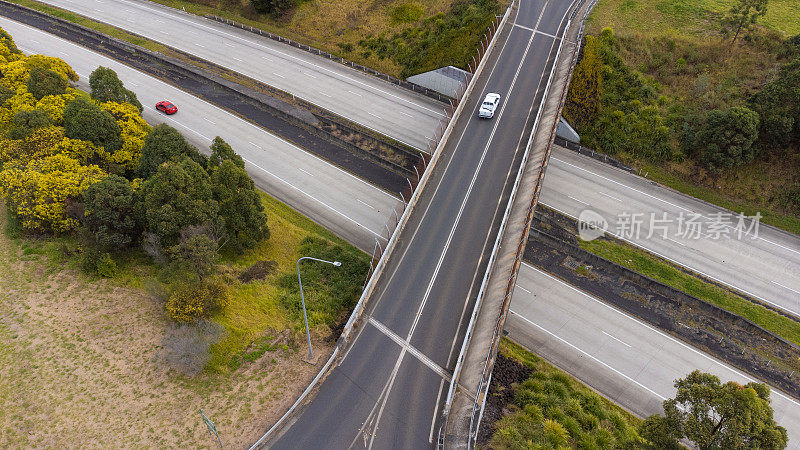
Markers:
point(337, 263)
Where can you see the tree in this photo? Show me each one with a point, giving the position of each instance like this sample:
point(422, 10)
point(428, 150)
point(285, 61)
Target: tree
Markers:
point(220, 151)
point(107, 87)
point(239, 206)
point(43, 82)
point(583, 98)
point(5, 93)
point(715, 415)
point(778, 105)
point(111, 213)
point(727, 138)
point(742, 16)
point(86, 121)
point(25, 122)
point(162, 144)
point(177, 196)
point(195, 254)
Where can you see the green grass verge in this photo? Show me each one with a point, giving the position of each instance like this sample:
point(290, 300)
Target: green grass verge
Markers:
point(648, 265)
point(551, 409)
point(683, 17)
point(783, 221)
point(93, 24)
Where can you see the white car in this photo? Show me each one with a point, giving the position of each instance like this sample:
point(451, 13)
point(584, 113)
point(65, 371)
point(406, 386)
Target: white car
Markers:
point(489, 106)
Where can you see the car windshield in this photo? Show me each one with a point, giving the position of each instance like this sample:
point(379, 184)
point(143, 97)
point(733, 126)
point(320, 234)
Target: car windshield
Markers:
point(169, 105)
point(487, 104)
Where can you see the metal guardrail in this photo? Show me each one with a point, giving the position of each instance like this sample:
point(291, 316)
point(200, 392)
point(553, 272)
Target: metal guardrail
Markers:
point(602, 157)
point(315, 51)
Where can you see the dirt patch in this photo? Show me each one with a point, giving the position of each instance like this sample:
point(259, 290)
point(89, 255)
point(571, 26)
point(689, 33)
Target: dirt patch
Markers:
point(507, 373)
point(91, 364)
point(258, 271)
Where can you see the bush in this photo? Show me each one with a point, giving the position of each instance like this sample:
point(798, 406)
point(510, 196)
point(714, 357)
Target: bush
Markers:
point(98, 263)
point(196, 254)
point(111, 213)
point(728, 137)
point(583, 98)
point(191, 302)
point(25, 122)
point(86, 121)
point(273, 7)
point(43, 82)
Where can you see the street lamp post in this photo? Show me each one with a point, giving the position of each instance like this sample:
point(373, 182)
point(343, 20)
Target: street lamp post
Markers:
point(303, 300)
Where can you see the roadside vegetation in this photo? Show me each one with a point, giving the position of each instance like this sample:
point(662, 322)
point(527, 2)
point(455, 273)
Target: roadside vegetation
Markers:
point(651, 266)
point(397, 37)
point(553, 410)
point(550, 409)
point(143, 207)
point(702, 95)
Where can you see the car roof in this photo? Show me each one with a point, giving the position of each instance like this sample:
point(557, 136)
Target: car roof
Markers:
point(492, 96)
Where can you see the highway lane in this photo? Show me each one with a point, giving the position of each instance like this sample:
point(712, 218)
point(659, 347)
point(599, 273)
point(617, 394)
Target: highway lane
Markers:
point(401, 114)
point(341, 202)
point(622, 358)
point(764, 264)
point(392, 380)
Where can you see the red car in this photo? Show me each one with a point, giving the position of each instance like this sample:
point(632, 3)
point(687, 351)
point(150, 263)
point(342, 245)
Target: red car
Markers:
point(166, 107)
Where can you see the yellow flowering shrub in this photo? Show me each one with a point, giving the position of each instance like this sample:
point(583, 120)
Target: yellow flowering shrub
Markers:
point(192, 302)
point(133, 128)
point(38, 191)
point(55, 104)
point(39, 144)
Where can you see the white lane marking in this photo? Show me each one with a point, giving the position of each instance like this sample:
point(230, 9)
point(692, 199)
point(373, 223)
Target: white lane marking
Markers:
point(677, 242)
point(255, 145)
point(324, 93)
point(406, 114)
point(579, 201)
point(616, 339)
point(659, 332)
point(520, 287)
point(410, 348)
point(228, 44)
point(238, 59)
point(309, 75)
point(524, 27)
point(375, 115)
point(635, 244)
point(786, 287)
point(609, 196)
point(591, 357)
point(278, 75)
point(199, 45)
point(304, 170)
point(669, 203)
point(354, 93)
point(209, 121)
point(364, 203)
point(269, 59)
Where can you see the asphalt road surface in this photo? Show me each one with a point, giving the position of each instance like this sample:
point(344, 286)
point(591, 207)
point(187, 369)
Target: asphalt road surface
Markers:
point(388, 389)
point(767, 268)
point(341, 202)
point(764, 263)
point(622, 358)
point(398, 113)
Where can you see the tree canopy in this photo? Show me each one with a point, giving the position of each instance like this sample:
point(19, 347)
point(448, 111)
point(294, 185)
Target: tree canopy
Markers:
point(742, 16)
point(221, 151)
point(111, 213)
point(43, 82)
point(727, 137)
point(88, 122)
point(716, 416)
point(162, 144)
point(178, 195)
point(239, 206)
point(107, 87)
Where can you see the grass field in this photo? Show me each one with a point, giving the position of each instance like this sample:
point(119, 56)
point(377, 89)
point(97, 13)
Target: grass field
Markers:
point(86, 363)
point(551, 409)
point(683, 17)
point(648, 265)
